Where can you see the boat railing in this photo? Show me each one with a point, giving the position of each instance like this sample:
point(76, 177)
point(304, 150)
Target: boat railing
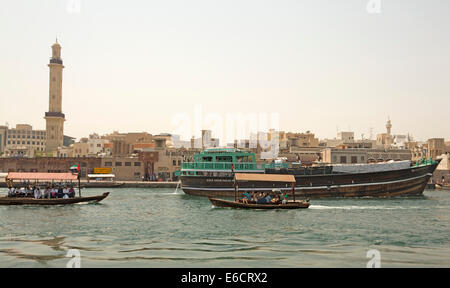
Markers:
point(425, 162)
point(229, 166)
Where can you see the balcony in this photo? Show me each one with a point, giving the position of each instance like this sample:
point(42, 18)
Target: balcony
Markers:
point(54, 114)
point(56, 61)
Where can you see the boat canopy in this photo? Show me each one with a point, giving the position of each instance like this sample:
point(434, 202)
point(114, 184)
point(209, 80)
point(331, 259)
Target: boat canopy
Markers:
point(264, 177)
point(41, 176)
point(3, 175)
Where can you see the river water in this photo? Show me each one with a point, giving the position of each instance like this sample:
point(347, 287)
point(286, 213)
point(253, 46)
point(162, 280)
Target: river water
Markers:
point(164, 228)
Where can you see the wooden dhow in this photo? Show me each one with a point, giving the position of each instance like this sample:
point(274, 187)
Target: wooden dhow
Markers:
point(212, 175)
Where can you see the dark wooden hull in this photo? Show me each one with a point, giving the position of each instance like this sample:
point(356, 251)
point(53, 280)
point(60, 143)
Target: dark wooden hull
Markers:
point(52, 201)
point(405, 182)
point(232, 204)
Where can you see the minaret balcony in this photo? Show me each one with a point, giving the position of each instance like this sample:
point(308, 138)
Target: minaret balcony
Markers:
point(56, 61)
point(54, 114)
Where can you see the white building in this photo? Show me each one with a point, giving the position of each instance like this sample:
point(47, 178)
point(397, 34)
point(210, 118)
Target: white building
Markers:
point(96, 145)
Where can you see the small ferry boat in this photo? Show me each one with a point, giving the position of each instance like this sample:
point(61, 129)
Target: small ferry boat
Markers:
point(211, 174)
point(445, 186)
point(241, 178)
point(45, 179)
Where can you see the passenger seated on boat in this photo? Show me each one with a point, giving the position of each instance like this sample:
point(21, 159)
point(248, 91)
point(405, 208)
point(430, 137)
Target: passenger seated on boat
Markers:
point(268, 198)
point(10, 192)
point(71, 192)
point(261, 199)
point(276, 200)
point(60, 193)
point(46, 192)
point(37, 193)
point(285, 199)
point(246, 198)
point(16, 192)
point(27, 192)
point(65, 192)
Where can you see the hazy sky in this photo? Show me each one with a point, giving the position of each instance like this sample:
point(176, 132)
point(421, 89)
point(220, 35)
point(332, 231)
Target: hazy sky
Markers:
point(322, 65)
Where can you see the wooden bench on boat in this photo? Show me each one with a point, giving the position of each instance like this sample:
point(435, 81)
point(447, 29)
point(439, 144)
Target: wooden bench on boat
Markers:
point(249, 177)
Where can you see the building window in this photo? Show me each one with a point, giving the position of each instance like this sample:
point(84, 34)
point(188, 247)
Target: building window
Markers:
point(343, 159)
point(127, 163)
point(137, 174)
point(118, 163)
point(354, 159)
point(137, 163)
point(108, 164)
point(179, 162)
point(174, 162)
point(362, 158)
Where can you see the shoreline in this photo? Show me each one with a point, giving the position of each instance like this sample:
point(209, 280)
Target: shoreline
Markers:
point(120, 184)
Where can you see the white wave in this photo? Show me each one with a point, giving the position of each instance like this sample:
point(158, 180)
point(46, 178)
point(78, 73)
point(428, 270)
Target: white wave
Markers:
point(352, 207)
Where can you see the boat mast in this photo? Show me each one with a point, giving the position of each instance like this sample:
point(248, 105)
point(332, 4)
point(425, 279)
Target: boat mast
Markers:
point(293, 190)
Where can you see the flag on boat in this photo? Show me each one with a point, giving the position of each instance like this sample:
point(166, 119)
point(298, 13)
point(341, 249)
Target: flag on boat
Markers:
point(75, 167)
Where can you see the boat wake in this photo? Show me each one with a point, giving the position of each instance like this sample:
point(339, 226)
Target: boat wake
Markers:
point(353, 207)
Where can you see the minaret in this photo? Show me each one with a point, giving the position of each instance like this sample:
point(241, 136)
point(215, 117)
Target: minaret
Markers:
point(54, 117)
point(388, 127)
point(389, 138)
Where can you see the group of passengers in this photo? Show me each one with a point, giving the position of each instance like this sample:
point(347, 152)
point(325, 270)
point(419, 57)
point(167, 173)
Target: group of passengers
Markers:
point(264, 198)
point(49, 192)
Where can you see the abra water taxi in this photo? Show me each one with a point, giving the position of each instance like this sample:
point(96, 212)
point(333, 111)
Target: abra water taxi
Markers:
point(242, 178)
point(43, 180)
point(211, 174)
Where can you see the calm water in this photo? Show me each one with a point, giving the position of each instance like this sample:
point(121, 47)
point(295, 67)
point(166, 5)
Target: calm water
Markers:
point(160, 228)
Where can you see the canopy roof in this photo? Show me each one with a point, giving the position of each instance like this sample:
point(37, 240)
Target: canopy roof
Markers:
point(41, 176)
point(264, 177)
point(101, 175)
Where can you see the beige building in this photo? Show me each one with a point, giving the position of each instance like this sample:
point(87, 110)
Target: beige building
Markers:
point(435, 147)
point(123, 143)
point(168, 158)
point(302, 139)
point(346, 137)
point(80, 149)
point(23, 141)
point(336, 155)
point(124, 168)
point(344, 156)
point(385, 139)
point(3, 135)
point(54, 117)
